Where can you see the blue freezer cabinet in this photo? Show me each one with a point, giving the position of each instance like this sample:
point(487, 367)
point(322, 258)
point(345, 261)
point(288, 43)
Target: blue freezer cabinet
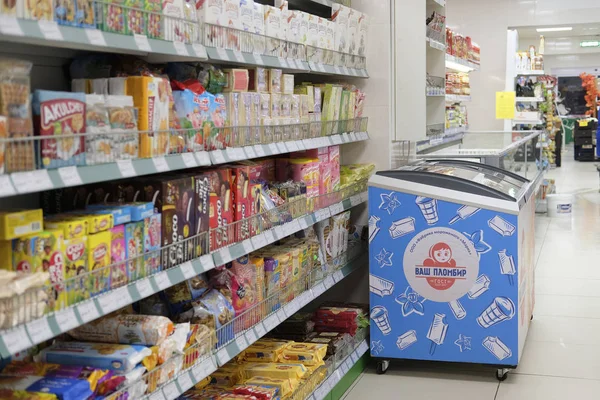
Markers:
point(451, 262)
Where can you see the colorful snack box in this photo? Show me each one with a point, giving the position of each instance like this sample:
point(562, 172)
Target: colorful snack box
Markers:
point(113, 17)
point(221, 209)
point(194, 111)
point(202, 204)
point(152, 241)
point(99, 254)
point(76, 267)
point(242, 199)
point(118, 253)
point(37, 10)
point(60, 114)
point(141, 210)
point(121, 214)
point(134, 249)
point(84, 13)
point(154, 25)
point(181, 294)
point(14, 224)
point(64, 12)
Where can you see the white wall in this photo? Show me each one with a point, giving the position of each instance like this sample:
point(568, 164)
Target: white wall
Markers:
point(486, 21)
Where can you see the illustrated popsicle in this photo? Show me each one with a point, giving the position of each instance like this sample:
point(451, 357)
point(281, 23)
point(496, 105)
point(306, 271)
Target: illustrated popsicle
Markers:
point(380, 316)
point(428, 208)
point(463, 213)
point(402, 227)
point(373, 228)
point(481, 285)
point(501, 309)
point(501, 226)
point(437, 332)
point(457, 309)
point(406, 339)
point(495, 346)
point(379, 286)
point(507, 266)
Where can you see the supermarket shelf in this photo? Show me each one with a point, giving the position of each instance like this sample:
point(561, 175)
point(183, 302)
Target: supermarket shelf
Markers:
point(200, 370)
point(47, 179)
point(435, 44)
point(39, 330)
point(434, 144)
point(529, 100)
point(319, 68)
point(457, 98)
point(528, 122)
point(49, 33)
point(244, 58)
point(459, 64)
point(336, 376)
point(435, 95)
point(455, 130)
point(530, 72)
point(441, 3)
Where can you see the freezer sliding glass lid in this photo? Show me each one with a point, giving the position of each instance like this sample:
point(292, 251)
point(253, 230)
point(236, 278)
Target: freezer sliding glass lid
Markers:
point(460, 175)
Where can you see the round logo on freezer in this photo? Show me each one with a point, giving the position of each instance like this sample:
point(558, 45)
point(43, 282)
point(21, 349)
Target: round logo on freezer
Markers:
point(441, 264)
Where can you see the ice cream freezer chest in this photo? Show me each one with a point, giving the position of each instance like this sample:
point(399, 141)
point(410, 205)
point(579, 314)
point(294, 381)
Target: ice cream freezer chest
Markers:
point(451, 247)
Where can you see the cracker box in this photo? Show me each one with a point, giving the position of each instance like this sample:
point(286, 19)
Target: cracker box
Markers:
point(99, 254)
point(152, 241)
point(60, 114)
point(211, 14)
point(37, 10)
point(353, 31)
point(154, 24)
point(14, 224)
point(242, 199)
point(202, 205)
point(221, 209)
point(118, 272)
point(273, 30)
point(233, 20)
point(76, 267)
point(313, 31)
point(363, 30)
point(135, 17)
point(134, 250)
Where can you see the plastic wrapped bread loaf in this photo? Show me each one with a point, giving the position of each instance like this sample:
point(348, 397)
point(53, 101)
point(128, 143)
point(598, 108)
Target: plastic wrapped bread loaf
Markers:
point(148, 330)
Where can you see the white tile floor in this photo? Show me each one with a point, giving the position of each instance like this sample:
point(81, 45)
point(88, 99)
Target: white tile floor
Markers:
point(562, 354)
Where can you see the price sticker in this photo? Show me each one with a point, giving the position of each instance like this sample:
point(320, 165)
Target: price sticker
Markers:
point(353, 136)
point(207, 263)
point(354, 357)
point(249, 150)
point(258, 59)
point(189, 160)
point(222, 53)
point(251, 336)
point(162, 280)
point(300, 145)
point(218, 157)
point(39, 330)
point(318, 290)
point(225, 255)
point(142, 43)
point(271, 322)
point(87, 311)
point(203, 158)
point(171, 391)
point(336, 208)
point(337, 139)
point(108, 303)
point(160, 163)
point(10, 26)
point(185, 382)
point(337, 70)
point(329, 282)
point(344, 368)
point(321, 67)
point(158, 395)
point(239, 57)
point(280, 232)
point(303, 223)
point(260, 150)
point(66, 319)
point(200, 51)
point(16, 340)
point(126, 168)
point(345, 71)
point(282, 314)
point(273, 148)
point(259, 241)
point(269, 236)
point(123, 297)
point(95, 37)
point(292, 146)
point(364, 196)
point(187, 269)
point(6, 186)
point(181, 49)
point(203, 369)
point(298, 64)
point(32, 181)
point(50, 30)
point(144, 288)
point(247, 245)
point(70, 176)
point(345, 137)
point(312, 66)
point(355, 200)
point(223, 356)
point(363, 347)
point(281, 147)
point(241, 343)
point(338, 276)
point(283, 62)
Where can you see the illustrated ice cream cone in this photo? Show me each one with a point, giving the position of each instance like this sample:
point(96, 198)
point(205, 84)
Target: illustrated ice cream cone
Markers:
point(428, 208)
point(501, 309)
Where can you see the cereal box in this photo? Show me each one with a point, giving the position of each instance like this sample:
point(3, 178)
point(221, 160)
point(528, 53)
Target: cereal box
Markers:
point(64, 12)
point(60, 114)
point(152, 243)
point(118, 271)
point(99, 254)
point(202, 203)
point(84, 13)
point(113, 16)
point(14, 224)
point(154, 18)
point(76, 267)
point(221, 209)
point(134, 249)
point(241, 199)
point(38, 9)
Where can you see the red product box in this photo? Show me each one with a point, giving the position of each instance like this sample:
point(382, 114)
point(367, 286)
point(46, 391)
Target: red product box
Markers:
point(202, 204)
point(255, 170)
point(449, 42)
point(221, 209)
point(242, 201)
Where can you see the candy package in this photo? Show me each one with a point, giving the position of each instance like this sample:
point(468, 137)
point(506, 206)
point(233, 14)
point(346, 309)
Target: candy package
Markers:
point(62, 388)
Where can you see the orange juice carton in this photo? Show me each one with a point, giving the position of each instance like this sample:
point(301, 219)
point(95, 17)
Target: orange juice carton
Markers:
point(76, 267)
point(14, 224)
point(99, 261)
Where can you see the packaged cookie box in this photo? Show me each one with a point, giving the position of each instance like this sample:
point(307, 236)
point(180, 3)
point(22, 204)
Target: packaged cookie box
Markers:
point(14, 224)
point(222, 232)
point(75, 13)
point(134, 250)
point(121, 214)
point(60, 114)
point(36, 10)
point(152, 244)
point(76, 267)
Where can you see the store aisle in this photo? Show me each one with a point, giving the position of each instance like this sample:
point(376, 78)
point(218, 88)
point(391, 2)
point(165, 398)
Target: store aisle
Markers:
point(562, 354)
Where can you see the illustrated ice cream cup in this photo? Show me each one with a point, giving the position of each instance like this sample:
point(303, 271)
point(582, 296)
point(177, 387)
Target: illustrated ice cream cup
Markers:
point(380, 316)
point(428, 208)
point(501, 309)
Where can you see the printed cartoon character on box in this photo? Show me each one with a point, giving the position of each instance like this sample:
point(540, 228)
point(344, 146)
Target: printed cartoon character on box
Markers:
point(64, 12)
point(76, 268)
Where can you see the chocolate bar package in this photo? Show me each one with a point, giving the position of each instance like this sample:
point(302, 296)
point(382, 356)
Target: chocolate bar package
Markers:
point(221, 209)
point(202, 206)
point(242, 201)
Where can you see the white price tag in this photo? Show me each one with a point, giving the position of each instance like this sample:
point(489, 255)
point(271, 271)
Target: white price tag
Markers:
point(336, 208)
point(283, 62)
point(291, 146)
point(338, 276)
point(345, 137)
point(66, 319)
point(170, 391)
point(282, 314)
point(295, 226)
point(222, 53)
point(10, 26)
point(241, 343)
point(355, 200)
point(122, 296)
point(312, 66)
point(16, 339)
point(348, 364)
point(87, 311)
point(259, 241)
point(309, 143)
point(160, 163)
point(108, 303)
point(203, 158)
point(144, 288)
point(298, 64)
point(185, 382)
point(300, 145)
point(322, 67)
point(249, 150)
point(271, 322)
point(260, 150)
point(258, 59)
point(187, 269)
point(32, 181)
point(251, 336)
point(218, 157)
point(162, 280)
point(95, 37)
point(225, 255)
point(329, 282)
point(223, 356)
point(126, 168)
point(6, 186)
point(354, 357)
point(364, 196)
point(142, 43)
point(281, 147)
point(318, 290)
point(337, 70)
point(180, 49)
point(158, 395)
point(345, 71)
point(204, 369)
point(247, 245)
point(39, 330)
point(353, 136)
point(70, 176)
point(260, 330)
point(337, 139)
point(239, 57)
point(280, 231)
point(303, 223)
point(50, 30)
point(199, 50)
point(233, 153)
point(269, 238)
point(189, 160)
point(363, 347)
point(344, 368)
point(207, 262)
point(273, 148)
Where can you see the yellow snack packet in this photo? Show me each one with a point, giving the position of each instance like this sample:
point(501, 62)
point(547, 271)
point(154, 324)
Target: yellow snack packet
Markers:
point(264, 351)
point(275, 370)
point(285, 386)
point(305, 353)
point(151, 361)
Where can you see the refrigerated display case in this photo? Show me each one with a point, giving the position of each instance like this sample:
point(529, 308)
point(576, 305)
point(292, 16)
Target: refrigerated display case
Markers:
point(451, 265)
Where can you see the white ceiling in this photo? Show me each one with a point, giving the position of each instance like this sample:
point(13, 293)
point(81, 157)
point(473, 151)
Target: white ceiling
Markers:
point(579, 30)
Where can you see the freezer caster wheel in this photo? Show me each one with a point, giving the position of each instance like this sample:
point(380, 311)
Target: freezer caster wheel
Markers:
point(502, 374)
point(531, 319)
point(382, 366)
